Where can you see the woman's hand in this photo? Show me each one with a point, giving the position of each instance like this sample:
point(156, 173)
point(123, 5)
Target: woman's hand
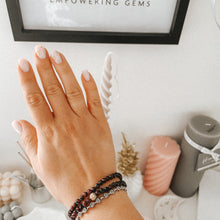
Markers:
point(70, 147)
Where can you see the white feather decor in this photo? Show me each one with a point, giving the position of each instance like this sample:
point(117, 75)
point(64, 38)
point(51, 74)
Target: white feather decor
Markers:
point(106, 85)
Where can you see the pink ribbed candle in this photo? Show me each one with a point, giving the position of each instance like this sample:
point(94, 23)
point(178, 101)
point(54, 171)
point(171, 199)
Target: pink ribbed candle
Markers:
point(161, 163)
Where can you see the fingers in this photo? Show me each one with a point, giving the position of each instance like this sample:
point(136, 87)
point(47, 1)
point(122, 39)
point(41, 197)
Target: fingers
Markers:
point(52, 87)
point(61, 103)
point(72, 89)
point(35, 100)
point(93, 99)
point(28, 137)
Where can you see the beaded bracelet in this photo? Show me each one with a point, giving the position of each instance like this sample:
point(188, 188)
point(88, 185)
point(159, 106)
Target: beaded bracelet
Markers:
point(73, 212)
point(101, 191)
point(118, 185)
point(98, 200)
point(77, 206)
point(111, 186)
point(105, 191)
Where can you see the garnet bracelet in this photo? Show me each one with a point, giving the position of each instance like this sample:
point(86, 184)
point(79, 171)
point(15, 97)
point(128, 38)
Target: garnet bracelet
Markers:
point(91, 197)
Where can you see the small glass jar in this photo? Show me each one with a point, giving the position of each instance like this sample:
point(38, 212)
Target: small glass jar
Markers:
point(39, 192)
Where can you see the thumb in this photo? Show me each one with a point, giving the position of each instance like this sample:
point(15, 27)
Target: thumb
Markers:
point(28, 136)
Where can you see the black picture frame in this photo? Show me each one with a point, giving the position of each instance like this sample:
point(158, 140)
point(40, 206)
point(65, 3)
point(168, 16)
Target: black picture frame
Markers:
point(20, 34)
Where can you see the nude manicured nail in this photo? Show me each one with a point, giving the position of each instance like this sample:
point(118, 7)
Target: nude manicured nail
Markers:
point(86, 75)
point(24, 65)
point(56, 57)
point(40, 51)
point(17, 126)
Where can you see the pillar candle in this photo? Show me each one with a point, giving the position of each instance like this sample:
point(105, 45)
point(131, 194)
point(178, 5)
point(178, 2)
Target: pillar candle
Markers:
point(205, 131)
point(106, 84)
point(161, 164)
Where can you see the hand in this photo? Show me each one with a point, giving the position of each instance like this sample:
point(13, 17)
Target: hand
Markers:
point(70, 147)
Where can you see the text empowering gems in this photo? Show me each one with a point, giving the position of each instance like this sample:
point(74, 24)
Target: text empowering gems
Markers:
point(140, 3)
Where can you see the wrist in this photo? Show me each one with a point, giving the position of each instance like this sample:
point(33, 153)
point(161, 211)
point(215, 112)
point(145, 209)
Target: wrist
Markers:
point(115, 207)
point(112, 203)
point(104, 188)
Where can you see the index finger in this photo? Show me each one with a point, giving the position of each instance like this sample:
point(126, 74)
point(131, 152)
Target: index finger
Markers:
point(38, 107)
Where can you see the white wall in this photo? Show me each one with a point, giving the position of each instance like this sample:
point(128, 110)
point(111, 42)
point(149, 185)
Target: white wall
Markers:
point(160, 86)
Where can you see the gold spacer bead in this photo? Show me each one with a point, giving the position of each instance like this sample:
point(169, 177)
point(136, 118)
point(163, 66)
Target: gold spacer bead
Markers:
point(93, 196)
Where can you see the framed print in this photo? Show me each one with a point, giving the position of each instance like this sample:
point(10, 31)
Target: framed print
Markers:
point(98, 21)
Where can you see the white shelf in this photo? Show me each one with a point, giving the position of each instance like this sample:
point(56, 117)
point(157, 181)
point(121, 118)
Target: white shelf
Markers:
point(146, 202)
point(145, 205)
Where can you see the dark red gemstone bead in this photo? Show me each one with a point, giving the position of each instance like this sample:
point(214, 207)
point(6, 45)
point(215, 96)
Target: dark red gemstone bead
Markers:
point(102, 190)
point(80, 207)
point(88, 201)
point(85, 204)
point(107, 189)
point(124, 184)
point(81, 198)
point(97, 186)
point(118, 175)
point(85, 194)
point(93, 189)
point(89, 191)
point(74, 214)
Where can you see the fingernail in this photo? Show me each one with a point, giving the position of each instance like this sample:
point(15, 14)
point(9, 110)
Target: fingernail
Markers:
point(40, 51)
point(17, 126)
point(86, 75)
point(56, 56)
point(24, 65)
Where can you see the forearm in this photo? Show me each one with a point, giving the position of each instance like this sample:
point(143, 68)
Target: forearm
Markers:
point(117, 207)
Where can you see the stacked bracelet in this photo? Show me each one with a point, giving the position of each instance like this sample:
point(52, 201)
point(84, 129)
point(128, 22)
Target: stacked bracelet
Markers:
point(77, 206)
point(90, 198)
point(98, 200)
